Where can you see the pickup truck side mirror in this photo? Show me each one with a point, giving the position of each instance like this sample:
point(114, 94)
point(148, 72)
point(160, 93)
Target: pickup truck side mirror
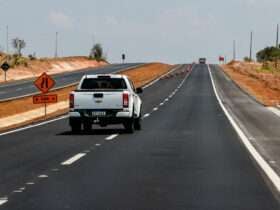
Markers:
point(139, 90)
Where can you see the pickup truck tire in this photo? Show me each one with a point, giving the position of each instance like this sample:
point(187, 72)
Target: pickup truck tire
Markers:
point(138, 123)
point(129, 126)
point(87, 127)
point(76, 127)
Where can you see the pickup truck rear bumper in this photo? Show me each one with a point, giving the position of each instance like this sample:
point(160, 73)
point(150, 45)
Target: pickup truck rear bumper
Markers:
point(111, 117)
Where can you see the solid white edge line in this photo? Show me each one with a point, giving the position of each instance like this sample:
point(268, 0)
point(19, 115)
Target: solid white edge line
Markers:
point(271, 174)
point(274, 110)
point(109, 138)
point(73, 159)
point(33, 126)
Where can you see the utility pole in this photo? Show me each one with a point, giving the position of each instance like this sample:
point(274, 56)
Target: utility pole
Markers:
point(277, 36)
point(7, 39)
point(56, 45)
point(251, 46)
point(234, 50)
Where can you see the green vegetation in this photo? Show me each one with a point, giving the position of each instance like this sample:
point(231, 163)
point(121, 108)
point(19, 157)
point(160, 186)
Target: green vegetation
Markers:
point(268, 54)
point(97, 53)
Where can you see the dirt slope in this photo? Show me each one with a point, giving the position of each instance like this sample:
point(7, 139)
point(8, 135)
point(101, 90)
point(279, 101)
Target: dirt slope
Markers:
point(263, 85)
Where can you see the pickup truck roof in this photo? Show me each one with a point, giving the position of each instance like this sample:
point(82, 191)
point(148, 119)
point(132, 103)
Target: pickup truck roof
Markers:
point(113, 76)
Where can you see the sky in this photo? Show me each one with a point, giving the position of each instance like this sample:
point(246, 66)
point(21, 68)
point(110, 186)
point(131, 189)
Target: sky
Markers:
point(177, 31)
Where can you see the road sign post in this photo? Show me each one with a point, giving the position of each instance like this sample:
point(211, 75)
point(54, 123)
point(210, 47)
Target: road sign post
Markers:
point(5, 67)
point(44, 83)
point(123, 58)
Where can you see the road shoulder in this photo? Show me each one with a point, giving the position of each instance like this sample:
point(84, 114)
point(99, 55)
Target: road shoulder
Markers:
point(259, 125)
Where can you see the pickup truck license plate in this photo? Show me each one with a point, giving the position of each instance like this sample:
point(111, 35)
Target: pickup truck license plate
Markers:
point(98, 114)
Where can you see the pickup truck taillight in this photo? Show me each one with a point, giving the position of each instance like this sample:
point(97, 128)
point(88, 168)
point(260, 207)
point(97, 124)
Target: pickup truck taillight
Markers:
point(125, 100)
point(71, 100)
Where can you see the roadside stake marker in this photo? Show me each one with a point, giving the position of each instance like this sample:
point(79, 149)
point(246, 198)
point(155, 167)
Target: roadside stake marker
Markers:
point(73, 159)
point(109, 138)
point(270, 173)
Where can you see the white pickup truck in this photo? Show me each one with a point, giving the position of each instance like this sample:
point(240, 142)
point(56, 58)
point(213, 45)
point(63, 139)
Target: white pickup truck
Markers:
point(105, 100)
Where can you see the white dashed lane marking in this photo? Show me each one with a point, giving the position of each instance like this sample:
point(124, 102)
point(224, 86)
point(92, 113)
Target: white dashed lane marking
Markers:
point(97, 145)
point(109, 138)
point(146, 115)
point(43, 176)
point(73, 159)
point(3, 201)
point(155, 109)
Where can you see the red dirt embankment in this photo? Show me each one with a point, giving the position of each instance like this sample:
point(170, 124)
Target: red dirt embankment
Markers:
point(36, 67)
point(263, 85)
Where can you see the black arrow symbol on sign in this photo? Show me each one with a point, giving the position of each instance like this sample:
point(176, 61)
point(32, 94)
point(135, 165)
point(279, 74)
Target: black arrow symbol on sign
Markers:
point(45, 83)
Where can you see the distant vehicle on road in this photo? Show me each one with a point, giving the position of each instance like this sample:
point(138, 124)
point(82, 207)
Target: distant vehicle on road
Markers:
point(202, 60)
point(104, 100)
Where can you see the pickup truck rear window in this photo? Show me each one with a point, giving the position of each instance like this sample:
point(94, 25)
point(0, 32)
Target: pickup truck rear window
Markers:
point(103, 84)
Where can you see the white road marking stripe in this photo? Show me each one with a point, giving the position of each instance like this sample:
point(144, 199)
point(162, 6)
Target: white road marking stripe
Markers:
point(30, 183)
point(271, 174)
point(155, 109)
point(43, 176)
point(98, 145)
point(17, 191)
point(161, 104)
point(274, 110)
point(146, 115)
point(109, 138)
point(33, 126)
point(73, 159)
point(166, 99)
point(3, 201)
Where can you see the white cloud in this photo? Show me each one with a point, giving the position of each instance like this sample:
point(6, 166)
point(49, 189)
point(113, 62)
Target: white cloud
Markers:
point(61, 20)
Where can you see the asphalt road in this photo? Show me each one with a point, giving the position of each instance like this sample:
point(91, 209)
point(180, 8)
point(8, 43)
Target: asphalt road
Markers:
point(186, 157)
point(26, 87)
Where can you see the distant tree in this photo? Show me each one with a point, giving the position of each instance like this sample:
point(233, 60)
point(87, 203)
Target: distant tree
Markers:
point(97, 53)
point(247, 59)
point(268, 54)
point(18, 44)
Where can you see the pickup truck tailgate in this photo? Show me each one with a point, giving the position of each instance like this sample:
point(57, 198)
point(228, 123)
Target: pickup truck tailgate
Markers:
point(99, 100)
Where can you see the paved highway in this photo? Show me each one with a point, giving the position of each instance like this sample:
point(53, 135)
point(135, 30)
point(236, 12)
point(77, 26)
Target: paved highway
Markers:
point(26, 87)
point(186, 157)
